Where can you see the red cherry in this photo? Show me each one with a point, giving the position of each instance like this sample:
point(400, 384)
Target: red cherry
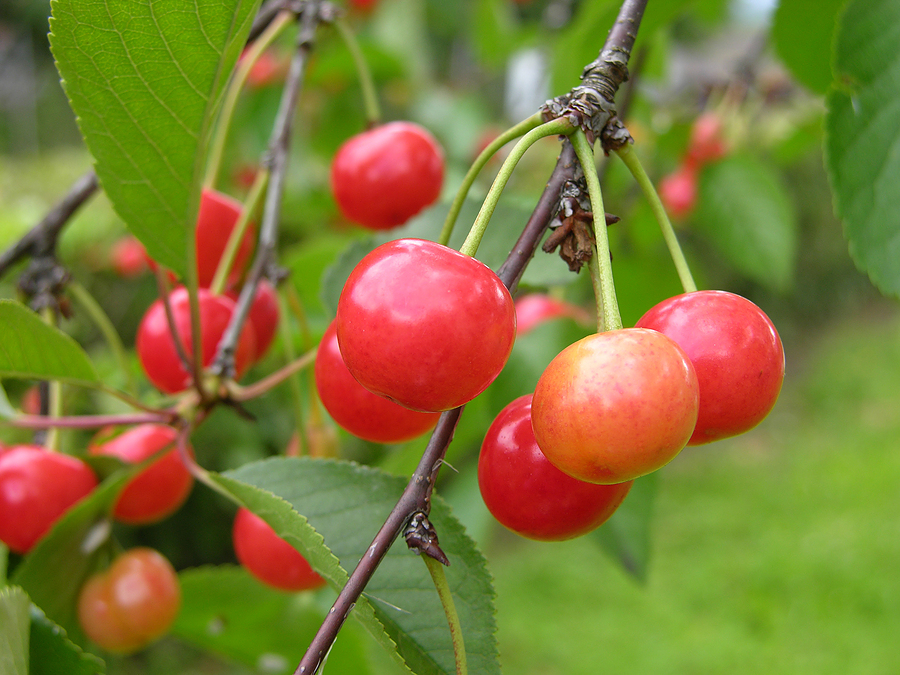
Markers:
point(270, 558)
point(37, 487)
point(357, 409)
point(128, 257)
point(678, 191)
point(216, 219)
point(131, 604)
point(534, 309)
point(160, 489)
point(264, 316)
point(364, 5)
point(615, 406)
point(707, 142)
point(736, 352)
point(156, 348)
point(267, 70)
point(383, 177)
point(424, 325)
point(31, 401)
point(529, 495)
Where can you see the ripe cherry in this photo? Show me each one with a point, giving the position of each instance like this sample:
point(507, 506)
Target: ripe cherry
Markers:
point(216, 219)
point(616, 405)
point(161, 488)
point(534, 309)
point(737, 355)
point(270, 558)
point(130, 604)
point(128, 257)
point(37, 487)
point(264, 316)
point(678, 191)
point(156, 348)
point(707, 143)
point(529, 495)
point(424, 325)
point(357, 409)
point(383, 177)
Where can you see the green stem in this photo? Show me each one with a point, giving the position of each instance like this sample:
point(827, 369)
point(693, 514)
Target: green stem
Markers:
point(554, 127)
point(99, 317)
point(370, 98)
point(513, 132)
point(608, 317)
point(251, 204)
point(436, 570)
point(627, 155)
point(217, 147)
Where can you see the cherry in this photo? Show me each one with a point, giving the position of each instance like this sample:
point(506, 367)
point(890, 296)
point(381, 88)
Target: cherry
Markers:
point(616, 405)
point(533, 309)
point(424, 325)
point(37, 487)
point(736, 352)
point(128, 257)
point(264, 316)
point(270, 558)
point(678, 191)
point(156, 348)
point(161, 488)
point(383, 177)
point(130, 604)
point(269, 69)
point(216, 219)
point(358, 410)
point(529, 495)
point(707, 143)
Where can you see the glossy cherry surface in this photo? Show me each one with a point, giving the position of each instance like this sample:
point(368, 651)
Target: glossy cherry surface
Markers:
point(529, 495)
point(424, 325)
point(383, 177)
point(216, 219)
point(615, 406)
point(736, 352)
point(37, 487)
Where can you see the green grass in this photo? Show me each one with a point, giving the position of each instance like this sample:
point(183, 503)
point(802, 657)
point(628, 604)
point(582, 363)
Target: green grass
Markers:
point(775, 552)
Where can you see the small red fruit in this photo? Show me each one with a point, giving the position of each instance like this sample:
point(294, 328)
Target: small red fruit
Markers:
point(264, 316)
point(270, 558)
point(128, 257)
point(615, 406)
point(383, 177)
point(132, 603)
point(216, 219)
point(529, 495)
point(355, 408)
point(156, 348)
point(678, 191)
point(37, 487)
point(534, 309)
point(736, 352)
point(424, 325)
point(160, 489)
point(707, 143)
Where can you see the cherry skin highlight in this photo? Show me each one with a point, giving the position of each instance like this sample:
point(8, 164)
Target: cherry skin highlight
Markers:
point(424, 325)
point(38, 486)
point(161, 488)
point(156, 348)
point(529, 495)
point(383, 177)
point(270, 558)
point(615, 406)
point(355, 408)
point(736, 352)
point(132, 603)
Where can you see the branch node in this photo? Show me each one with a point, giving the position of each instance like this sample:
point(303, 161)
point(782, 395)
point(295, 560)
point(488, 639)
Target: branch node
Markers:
point(422, 539)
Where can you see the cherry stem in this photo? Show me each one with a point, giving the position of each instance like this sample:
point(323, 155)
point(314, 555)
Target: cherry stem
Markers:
point(436, 570)
point(287, 301)
point(627, 154)
point(245, 65)
point(370, 98)
point(552, 128)
point(608, 317)
point(483, 158)
point(245, 393)
point(88, 421)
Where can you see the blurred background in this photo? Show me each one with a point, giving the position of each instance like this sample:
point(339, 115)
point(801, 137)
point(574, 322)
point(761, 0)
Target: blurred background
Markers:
point(774, 552)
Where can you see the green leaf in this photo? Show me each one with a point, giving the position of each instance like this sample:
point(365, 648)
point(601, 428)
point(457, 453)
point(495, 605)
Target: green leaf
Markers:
point(146, 80)
point(803, 40)
point(6, 409)
point(862, 144)
point(626, 536)
point(226, 611)
point(30, 348)
point(56, 568)
point(14, 635)
point(347, 504)
point(745, 213)
point(52, 652)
